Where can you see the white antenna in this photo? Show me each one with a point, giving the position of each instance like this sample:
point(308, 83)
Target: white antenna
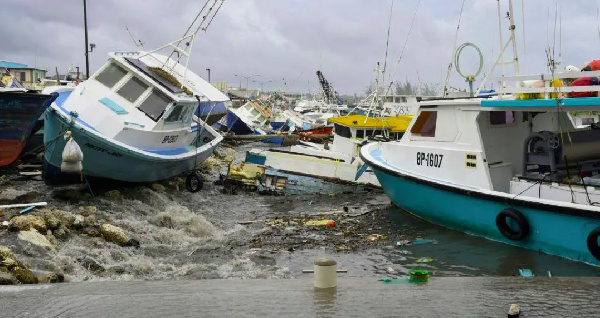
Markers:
point(445, 92)
point(387, 41)
point(511, 40)
point(138, 43)
point(183, 46)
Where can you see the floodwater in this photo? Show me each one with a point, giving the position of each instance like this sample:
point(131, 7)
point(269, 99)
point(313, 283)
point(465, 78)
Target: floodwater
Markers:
point(187, 236)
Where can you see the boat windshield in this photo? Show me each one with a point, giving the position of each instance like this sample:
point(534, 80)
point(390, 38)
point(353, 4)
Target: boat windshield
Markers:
point(154, 106)
point(111, 75)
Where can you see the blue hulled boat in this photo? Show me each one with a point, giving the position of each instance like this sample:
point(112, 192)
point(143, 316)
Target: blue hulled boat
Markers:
point(19, 115)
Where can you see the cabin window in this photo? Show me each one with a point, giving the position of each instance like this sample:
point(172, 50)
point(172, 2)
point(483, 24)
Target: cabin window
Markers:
point(111, 75)
point(399, 135)
point(342, 131)
point(179, 113)
point(425, 124)
point(368, 132)
point(133, 89)
point(155, 104)
point(378, 132)
point(587, 121)
point(360, 133)
point(502, 117)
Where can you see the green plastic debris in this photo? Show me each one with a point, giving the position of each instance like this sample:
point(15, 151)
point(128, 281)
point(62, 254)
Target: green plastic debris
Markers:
point(424, 260)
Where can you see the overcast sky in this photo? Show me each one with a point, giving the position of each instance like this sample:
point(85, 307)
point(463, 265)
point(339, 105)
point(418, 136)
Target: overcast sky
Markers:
point(291, 39)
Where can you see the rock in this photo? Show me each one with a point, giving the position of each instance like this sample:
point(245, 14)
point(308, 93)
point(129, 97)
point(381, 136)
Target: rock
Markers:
point(56, 218)
point(88, 209)
point(4, 179)
point(9, 195)
point(62, 233)
point(72, 195)
point(34, 237)
point(51, 238)
point(79, 222)
point(90, 220)
point(27, 222)
point(177, 183)
point(114, 234)
point(7, 258)
point(91, 231)
point(157, 187)
point(51, 278)
point(25, 276)
point(260, 259)
point(7, 279)
point(90, 264)
point(113, 195)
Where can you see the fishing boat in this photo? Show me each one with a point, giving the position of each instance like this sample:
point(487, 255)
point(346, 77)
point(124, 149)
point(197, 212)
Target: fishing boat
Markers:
point(512, 170)
point(134, 118)
point(338, 162)
point(211, 112)
point(19, 114)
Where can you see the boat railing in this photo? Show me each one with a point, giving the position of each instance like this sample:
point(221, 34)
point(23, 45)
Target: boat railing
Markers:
point(549, 88)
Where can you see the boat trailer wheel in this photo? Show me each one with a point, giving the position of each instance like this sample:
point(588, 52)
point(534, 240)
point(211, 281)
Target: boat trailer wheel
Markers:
point(193, 182)
point(592, 243)
point(506, 229)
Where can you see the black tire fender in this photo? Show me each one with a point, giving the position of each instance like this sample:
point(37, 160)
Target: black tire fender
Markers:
point(592, 243)
point(193, 182)
point(505, 229)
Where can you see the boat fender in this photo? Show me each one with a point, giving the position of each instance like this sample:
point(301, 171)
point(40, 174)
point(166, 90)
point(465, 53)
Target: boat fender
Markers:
point(193, 182)
point(506, 230)
point(71, 155)
point(592, 243)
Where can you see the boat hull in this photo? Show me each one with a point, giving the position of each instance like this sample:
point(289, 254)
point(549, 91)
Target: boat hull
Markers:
point(19, 114)
point(553, 229)
point(107, 160)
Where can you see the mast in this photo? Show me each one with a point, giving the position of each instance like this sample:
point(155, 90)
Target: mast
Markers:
point(87, 60)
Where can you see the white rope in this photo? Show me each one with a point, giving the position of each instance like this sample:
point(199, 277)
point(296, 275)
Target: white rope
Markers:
point(387, 41)
point(412, 22)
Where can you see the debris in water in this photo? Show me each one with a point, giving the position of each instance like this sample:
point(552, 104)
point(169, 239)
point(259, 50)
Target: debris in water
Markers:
point(422, 241)
point(27, 209)
point(514, 311)
point(328, 223)
point(377, 237)
point(424, 260)
point(524, 272)
point(403, 242)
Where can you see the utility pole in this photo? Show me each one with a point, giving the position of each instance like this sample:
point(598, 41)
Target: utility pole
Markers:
point(245, 77)
point(87, 60)
point(208, 69)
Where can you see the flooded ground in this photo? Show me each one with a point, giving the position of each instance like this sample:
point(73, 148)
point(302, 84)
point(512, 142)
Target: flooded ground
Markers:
point(209, 235)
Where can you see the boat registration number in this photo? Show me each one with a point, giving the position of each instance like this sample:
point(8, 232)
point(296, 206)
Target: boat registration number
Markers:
point(170, 139)
point(429, 159)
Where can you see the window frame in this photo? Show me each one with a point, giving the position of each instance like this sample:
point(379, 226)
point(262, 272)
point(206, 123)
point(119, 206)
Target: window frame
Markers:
point(138, 81)
point(427, 119)
point(111, 65)
point(159, 93)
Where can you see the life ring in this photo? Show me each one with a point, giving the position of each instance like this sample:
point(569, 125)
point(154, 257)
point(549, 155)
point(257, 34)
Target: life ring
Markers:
point(592, 243)
point(506, 230)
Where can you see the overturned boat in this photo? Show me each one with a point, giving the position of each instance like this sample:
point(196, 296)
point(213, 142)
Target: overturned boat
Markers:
point(134, 118)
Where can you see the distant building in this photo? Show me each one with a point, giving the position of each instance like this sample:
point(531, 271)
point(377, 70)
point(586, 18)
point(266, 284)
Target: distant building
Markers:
point(30, 77)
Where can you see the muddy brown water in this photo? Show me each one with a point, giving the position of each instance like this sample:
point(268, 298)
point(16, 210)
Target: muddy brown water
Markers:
point(199, 236)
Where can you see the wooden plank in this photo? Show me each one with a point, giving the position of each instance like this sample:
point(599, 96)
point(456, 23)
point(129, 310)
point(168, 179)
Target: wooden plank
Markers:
point(30, 173)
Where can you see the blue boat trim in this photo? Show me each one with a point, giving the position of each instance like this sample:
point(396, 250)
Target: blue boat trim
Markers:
point(563, 102)
point(169, 152)
point(118, 109)
point(480, 195)
point(62, 96)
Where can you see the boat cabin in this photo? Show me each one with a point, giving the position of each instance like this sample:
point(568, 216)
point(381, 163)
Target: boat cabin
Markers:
point(528, 147)
point(350, 131)
point(144, 100)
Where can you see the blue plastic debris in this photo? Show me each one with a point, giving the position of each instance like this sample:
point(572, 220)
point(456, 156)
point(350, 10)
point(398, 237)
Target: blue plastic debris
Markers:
point(27, 209)
point(422, 241)
point(525, 272)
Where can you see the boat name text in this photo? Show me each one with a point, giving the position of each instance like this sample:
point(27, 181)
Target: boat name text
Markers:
point(170, 139)
point(106, 151)
point(429, 159)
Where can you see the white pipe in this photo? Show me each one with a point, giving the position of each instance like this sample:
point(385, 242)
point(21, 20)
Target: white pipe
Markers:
point(10, 206)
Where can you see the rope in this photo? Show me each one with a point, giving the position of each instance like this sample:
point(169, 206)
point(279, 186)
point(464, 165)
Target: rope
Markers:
point(412, 22)
point(453, 49)
point(387, 41)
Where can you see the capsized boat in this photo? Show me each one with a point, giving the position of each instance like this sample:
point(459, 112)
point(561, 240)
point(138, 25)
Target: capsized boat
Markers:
point(339, 161)
point(134, 118)
point(510, 170)
point(19, 113)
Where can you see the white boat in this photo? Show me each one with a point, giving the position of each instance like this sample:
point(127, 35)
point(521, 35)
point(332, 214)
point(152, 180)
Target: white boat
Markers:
point(133, 119)
point(339, 161)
